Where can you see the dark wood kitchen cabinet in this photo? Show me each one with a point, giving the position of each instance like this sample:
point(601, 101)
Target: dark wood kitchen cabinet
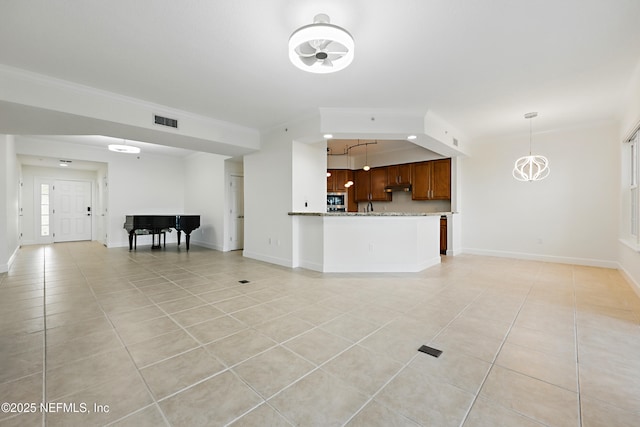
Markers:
point(335, 182)
point(431, 180)
point(370, 185)
point(399, 174)
point(443, 235)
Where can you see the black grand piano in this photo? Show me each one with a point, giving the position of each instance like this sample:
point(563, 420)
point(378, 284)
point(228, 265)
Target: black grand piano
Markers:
point(156, 224)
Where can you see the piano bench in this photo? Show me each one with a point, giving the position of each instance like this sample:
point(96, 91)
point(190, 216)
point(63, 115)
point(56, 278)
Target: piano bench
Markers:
point(163, 234)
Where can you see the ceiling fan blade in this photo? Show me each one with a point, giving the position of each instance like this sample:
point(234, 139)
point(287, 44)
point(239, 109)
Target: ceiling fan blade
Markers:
point(335, 47)
point(305, 49)
point(308, 60)
point(318, 43)
point(327, 63)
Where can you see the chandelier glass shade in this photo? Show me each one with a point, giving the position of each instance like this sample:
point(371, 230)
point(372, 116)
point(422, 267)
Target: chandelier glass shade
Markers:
point(531, 167)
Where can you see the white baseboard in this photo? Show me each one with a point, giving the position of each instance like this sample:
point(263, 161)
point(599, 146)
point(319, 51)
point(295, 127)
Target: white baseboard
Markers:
point(4, 267)
point(267, 258)
point(634, 285)
point(207, 245)
point(544, 258)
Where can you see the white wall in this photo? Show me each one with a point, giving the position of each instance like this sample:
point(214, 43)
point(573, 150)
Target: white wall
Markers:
point(309, 177)
point(628, 257)
point(143, 186)
point(269, 193)
point(569, 217)
point(204, 195)
point(9, 191)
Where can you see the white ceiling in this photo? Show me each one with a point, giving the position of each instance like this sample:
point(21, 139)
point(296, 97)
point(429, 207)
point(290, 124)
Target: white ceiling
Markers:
point(480, 65)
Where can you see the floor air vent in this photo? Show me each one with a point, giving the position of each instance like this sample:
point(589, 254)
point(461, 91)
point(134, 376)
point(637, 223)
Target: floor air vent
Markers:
point(165, 121)
point(430, 351)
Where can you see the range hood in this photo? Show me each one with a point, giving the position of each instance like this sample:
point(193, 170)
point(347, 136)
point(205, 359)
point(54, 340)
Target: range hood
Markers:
point(397, 187)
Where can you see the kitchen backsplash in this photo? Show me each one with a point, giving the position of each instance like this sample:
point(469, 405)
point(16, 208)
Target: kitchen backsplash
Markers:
point(402, 203)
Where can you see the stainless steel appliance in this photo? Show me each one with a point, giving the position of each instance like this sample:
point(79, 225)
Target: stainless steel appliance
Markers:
point(336, 202)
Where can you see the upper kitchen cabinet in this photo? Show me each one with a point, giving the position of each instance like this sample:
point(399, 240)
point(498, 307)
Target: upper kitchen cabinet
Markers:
point(399, 174)
point(335, 182)
point(370, 185)
point(431, 180)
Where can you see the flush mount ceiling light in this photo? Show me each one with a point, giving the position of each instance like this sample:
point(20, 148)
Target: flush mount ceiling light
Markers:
point(124, 148)
point(531, 167)
point(321, 47)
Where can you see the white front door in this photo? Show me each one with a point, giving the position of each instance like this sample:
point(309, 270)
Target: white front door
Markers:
point(71, 211)
point(236, 213)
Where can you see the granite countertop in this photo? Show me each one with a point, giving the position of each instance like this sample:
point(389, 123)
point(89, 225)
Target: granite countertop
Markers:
point(371, 213)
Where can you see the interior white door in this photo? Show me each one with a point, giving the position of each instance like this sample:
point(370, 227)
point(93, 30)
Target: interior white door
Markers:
point(236, 213)
point(71, 211)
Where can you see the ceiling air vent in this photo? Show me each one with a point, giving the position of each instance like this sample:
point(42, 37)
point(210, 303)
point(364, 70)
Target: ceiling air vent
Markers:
point(165, 121)
point(455, 142)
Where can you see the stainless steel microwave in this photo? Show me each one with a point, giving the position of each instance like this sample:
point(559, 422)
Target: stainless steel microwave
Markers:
point(336, 202)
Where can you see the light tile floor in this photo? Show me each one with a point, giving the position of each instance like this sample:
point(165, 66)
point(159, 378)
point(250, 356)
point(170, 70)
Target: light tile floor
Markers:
point(173, 338)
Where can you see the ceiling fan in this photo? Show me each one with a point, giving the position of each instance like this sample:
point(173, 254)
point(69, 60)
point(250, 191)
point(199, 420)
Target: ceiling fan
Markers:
point(321, 47)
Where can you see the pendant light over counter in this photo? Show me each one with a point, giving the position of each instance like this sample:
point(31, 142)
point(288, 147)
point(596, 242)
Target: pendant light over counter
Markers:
point(531, 167)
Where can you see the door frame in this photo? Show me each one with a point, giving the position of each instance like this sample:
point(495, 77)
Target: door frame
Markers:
point(37, 182)
point(229, 220)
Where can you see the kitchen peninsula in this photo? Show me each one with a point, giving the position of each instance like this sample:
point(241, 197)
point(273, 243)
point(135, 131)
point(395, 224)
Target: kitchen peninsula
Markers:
point(373, 242)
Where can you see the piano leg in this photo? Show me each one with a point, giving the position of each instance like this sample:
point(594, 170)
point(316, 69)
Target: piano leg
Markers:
point(153, 239)
point(188, 238)
point(179, 233)
point(131, 234)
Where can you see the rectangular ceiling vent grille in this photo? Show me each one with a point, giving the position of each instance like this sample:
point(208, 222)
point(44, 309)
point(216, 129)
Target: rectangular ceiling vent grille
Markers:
point(455, 142)
point(165, 121)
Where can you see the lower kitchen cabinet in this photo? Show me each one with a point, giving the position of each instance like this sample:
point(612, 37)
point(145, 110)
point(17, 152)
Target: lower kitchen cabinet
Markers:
point(443, 235)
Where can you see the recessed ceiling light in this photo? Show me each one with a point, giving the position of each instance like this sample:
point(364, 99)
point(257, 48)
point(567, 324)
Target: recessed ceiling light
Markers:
point(411, 137)
point(327, 136)
point(65, 163)
point(128, 149)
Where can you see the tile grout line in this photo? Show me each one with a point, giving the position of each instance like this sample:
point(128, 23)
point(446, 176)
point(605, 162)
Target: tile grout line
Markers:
point(495, 357)
point(155, 402)
point(373, 396)
point(575, 336)
point(44, 334)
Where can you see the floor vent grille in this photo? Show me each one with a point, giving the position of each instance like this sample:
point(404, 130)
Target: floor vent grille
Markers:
point(430, 351)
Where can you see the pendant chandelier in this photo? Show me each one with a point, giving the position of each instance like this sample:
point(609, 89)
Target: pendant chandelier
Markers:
point(531, 167)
